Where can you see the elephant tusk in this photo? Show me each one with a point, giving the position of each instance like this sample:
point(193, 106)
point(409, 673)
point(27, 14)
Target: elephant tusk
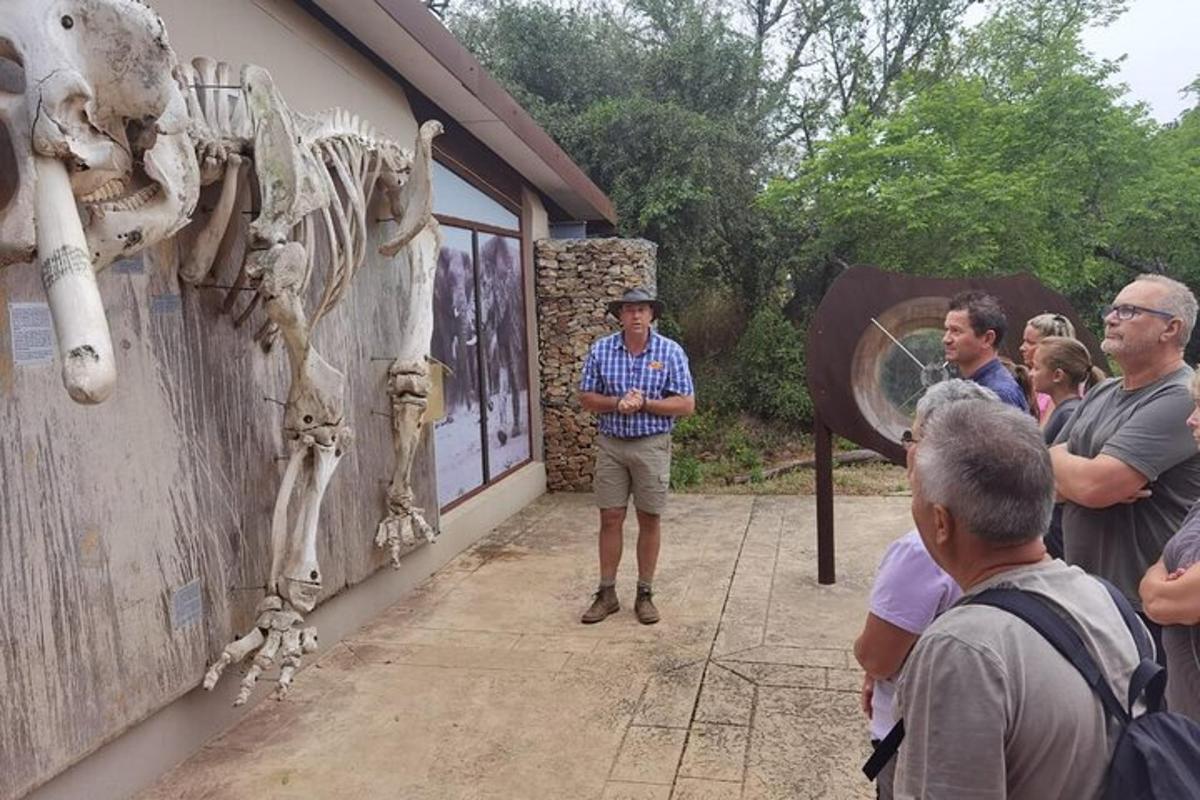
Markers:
point(89, 370)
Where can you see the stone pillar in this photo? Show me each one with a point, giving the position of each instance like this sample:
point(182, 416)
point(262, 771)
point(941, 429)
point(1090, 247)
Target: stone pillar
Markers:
point(576, 278)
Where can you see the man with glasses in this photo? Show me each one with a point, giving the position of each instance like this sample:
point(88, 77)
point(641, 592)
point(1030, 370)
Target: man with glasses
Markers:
point(1125, 465)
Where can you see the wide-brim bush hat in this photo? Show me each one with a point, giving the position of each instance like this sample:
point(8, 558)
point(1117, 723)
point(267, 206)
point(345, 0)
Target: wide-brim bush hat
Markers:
point(638, 295)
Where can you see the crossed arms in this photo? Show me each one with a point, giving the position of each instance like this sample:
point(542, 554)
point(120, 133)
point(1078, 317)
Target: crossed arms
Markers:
point(1171, 598)
point(1097, 482)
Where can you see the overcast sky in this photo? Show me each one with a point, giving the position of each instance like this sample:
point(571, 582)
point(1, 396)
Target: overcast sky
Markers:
point(1160, 38)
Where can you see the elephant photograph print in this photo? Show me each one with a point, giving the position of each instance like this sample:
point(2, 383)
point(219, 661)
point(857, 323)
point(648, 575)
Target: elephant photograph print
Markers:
point(479, 315)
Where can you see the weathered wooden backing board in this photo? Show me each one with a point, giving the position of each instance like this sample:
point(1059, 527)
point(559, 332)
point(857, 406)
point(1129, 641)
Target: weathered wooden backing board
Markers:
point(107, 511)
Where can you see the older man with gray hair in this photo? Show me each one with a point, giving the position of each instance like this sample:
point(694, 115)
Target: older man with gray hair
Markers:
point(909, 592)
point(1125, 464)
point(991, 709)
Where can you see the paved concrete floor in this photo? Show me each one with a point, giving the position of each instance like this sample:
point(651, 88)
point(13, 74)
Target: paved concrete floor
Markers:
point(483, 684)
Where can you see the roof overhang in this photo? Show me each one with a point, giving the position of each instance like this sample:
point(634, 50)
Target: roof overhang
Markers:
point(414, 42)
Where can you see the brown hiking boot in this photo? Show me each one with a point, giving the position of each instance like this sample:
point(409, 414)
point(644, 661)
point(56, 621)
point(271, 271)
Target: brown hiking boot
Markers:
point(643, 606)
point(604, 602)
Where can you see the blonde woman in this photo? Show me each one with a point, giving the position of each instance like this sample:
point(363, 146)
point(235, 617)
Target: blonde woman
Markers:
point(1060, 367)
point(1036, 329)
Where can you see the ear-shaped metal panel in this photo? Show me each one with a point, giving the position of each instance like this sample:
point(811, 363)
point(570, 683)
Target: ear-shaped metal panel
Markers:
point(863, 385)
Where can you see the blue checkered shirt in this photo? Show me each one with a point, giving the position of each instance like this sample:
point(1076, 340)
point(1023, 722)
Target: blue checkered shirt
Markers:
point(661, 370)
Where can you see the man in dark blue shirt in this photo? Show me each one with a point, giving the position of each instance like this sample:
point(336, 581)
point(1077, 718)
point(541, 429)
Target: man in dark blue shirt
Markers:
point(975, 326)
point(638, 383)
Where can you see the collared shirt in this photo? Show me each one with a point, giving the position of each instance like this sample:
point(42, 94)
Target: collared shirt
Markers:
point(661, 370)
point(996, 377)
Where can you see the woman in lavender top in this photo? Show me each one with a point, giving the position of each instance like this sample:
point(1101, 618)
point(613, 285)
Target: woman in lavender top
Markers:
point(910, 590)
point(1171, 597)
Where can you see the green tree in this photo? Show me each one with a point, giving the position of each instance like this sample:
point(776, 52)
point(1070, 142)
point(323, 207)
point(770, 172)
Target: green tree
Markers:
point(1023, 160)
point(660, 105)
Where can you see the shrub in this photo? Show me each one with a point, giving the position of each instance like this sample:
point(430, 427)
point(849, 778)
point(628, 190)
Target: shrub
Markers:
point(770, 368)
point(669, 327)
point(685, 471)
point(701, 431)
point(741, 450)
point(711, 324)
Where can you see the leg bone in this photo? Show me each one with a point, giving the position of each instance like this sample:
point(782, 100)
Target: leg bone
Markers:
point(233, 654)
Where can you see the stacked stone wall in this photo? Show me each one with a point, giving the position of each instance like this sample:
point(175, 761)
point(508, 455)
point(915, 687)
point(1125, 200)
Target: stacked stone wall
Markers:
point(576, 278)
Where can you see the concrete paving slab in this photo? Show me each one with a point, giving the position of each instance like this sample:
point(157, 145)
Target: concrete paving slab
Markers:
point(715, 752)
point(621, 790)
point(649, 754)
point(726, 699)
point(698, 789)
point(482, 683)
point(670, 698)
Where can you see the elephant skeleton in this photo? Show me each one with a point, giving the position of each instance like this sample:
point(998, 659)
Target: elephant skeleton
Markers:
point(111, 139)
point(314, 175)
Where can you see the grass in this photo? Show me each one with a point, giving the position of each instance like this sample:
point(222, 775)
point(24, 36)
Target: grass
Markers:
point(855, 479)
point(711, 449)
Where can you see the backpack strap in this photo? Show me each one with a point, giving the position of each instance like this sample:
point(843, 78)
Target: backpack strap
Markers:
point(884, 751)
point(1141, 637)
point(1038, 614)
point(1149, 679)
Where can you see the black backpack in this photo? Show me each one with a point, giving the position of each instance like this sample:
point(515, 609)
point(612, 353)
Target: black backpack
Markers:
point(1157, 755)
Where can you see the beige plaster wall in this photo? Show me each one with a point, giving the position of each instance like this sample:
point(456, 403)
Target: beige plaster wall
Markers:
point(312, 67)
point(106, 512)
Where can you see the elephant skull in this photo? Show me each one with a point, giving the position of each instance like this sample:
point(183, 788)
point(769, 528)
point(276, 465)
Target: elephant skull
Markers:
point(97, 159)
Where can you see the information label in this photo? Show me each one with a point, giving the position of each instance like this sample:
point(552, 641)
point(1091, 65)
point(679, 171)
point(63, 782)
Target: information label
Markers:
point(130, 266)
point(32, 331)
point(186, 605)
point(165, 304)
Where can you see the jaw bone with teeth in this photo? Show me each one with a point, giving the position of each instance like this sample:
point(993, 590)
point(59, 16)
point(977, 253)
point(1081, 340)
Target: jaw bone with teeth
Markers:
point(94, 126)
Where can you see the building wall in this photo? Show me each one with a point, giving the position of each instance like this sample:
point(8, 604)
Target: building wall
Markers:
point(535, 227)
point(112, 516)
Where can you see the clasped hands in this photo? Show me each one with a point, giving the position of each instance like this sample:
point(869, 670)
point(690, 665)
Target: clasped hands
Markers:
point(633, 402)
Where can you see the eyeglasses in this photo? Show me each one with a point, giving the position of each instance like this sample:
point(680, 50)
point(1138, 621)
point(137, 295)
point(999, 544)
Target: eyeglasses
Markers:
point(1127, 311)
point(907, 439)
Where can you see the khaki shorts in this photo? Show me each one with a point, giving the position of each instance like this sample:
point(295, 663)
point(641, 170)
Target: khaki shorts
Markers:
point(641, 467)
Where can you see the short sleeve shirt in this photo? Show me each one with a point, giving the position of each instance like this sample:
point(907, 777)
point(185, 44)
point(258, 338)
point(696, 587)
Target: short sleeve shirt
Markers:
point(661, 370)
point(1146, 429)
point(1182, 642)
point(993, 712)
point(1059, 418)
point(995, 376)
point(910, 590)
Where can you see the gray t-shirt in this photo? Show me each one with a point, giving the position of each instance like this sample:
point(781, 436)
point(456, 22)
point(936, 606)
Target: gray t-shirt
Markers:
point(1181, 643)
point(1146, 429)
point(992, 710)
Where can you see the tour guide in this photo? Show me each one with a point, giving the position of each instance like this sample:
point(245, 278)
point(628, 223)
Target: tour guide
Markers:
point(638, 382)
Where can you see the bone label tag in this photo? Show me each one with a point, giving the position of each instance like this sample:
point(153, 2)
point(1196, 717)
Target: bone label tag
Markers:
point(130, 266)
point(165, 304)
point(187, 605)
point(66, 260)
point(32, 332)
